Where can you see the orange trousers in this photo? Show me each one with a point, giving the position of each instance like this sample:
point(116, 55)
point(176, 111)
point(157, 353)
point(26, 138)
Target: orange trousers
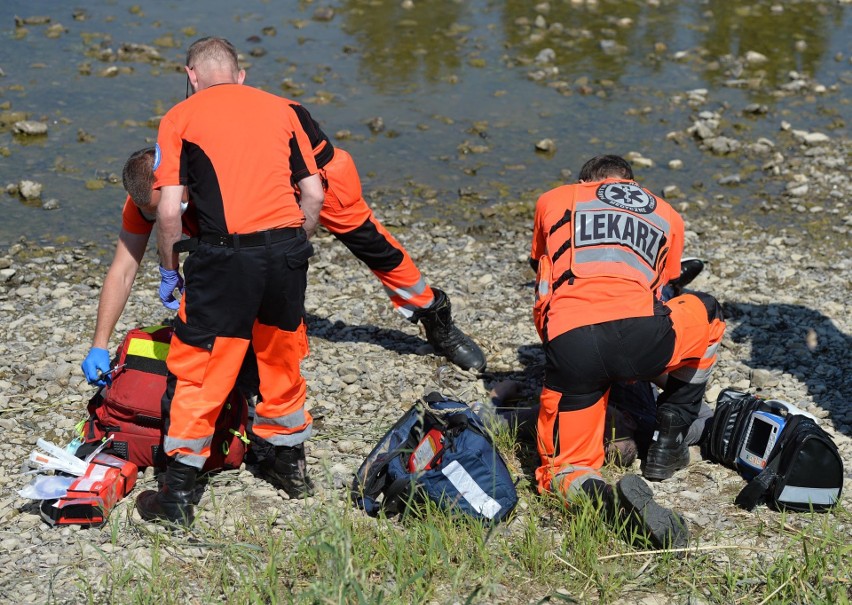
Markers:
point(347, 216)
point(582, 364)
point(236, 295)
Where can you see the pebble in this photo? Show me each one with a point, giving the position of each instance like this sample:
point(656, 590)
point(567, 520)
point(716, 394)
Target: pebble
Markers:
point(30, 128)
point(29, 190)
point(546, 146)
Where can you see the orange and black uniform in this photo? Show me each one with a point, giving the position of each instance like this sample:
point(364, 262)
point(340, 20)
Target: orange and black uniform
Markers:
point(347, 216)
point(239, 151)
point(602, 250)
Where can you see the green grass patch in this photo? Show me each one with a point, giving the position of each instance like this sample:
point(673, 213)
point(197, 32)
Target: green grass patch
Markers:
point(247, 549)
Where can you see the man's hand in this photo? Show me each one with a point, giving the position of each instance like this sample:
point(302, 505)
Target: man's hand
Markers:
point(96, 367)
point(171, 281)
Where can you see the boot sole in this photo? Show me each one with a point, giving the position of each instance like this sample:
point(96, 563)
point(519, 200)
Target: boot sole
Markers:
point(662, 526)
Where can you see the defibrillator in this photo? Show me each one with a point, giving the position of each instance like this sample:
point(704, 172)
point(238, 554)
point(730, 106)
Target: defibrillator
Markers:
point(762, 433)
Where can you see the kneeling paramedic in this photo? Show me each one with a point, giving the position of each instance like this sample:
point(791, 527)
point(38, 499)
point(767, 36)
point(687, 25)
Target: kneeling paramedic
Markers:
point(245, 283)
point(602, 249)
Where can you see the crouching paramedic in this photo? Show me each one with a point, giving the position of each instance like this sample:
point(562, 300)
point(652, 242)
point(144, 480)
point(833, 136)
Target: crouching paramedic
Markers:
point(602, 248)
point(246, 280)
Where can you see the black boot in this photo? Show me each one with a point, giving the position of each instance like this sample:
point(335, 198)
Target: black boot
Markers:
point(663, 527)
point(669, 450)
point(689, 269)
point(288, 471)
point(601, 494)
point(174, 501)
point(445, 337)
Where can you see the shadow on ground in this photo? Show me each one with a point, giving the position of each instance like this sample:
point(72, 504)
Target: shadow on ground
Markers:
point(800, 342)
point(387, 338)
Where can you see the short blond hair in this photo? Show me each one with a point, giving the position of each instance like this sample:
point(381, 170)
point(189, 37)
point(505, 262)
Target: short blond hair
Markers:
point(213, 50)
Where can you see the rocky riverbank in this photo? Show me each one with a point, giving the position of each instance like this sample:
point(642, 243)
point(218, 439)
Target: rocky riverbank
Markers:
point(785, 292)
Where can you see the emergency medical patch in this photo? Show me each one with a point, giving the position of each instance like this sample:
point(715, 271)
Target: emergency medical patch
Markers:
point(612, 227)
point(157, 155)
point(627, 197)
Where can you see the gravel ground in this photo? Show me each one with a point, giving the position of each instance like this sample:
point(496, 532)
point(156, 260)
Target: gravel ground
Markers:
point(785, 292)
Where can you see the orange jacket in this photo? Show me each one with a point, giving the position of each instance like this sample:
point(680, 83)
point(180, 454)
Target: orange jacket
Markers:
point(239, 150)
point(602, 248)
point(133, 221)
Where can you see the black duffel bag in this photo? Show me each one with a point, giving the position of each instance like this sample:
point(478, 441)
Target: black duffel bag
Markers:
point(791, 463)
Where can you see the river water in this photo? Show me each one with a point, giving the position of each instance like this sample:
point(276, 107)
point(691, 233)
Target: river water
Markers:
point(464, 91)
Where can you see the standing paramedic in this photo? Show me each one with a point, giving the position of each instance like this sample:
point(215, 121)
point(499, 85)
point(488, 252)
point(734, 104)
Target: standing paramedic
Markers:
point(602, 249)
point(240, 151)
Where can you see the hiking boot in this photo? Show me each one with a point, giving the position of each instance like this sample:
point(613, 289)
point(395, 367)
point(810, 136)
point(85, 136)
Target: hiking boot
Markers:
point(288, 471)
point(663, 527)
point(445, 337)
point(173, 502)
point(690, 267)
point(601, 495)
point(669, 450)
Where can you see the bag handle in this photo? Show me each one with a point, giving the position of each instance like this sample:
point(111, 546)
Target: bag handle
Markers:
point(757, 487)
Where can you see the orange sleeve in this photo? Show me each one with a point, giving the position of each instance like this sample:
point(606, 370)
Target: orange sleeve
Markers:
point(672, 268)
point(538, 240)
point(167, 154)
point(132, 220)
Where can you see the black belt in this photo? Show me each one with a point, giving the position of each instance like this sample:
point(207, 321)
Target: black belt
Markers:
point(248, 240)
point(239, 240)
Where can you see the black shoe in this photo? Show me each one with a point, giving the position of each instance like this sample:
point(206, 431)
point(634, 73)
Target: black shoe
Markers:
point(445, 337)
point(174, 501)
point(669, 451)
point(601, 495)
point(288, 471)
point(690, 268)
point(663, 527)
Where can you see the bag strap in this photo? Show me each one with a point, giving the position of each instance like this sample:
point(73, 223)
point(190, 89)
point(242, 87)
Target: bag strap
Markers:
point(397, 491)
point(370, 482)
point(757, 487)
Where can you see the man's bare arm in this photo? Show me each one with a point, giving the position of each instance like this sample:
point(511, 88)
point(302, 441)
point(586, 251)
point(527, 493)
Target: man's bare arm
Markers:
point(169, 225)
point(311, 201)
point(118, 283)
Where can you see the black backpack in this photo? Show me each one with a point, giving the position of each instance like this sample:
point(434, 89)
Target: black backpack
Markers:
point(803, 470)
point(438, 450)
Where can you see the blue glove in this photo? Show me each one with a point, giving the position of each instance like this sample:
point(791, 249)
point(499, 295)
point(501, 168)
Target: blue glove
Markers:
point(96, 367)
point(171, 281)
